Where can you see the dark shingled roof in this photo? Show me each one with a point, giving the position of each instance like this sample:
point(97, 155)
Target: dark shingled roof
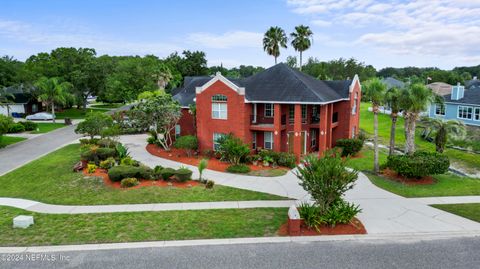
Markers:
point(471, 96)
point(20, 93)
point(392, 82)
point(279, 83)
point(474, 83)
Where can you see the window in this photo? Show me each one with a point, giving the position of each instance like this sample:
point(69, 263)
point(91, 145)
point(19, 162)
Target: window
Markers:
point(440, 109)
point(313, 134)
point(177, 130)
point(254, 140)
point(291, 113)
point(335, 117)
point(355, 101)
point(268, 140)
point(216, 136)
point(219, 107)
point(476, 115)
point(465, 112)
point(269, 110)
point(304, 113)
point(354, 131)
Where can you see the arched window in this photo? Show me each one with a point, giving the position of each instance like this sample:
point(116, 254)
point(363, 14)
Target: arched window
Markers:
point(219, 107)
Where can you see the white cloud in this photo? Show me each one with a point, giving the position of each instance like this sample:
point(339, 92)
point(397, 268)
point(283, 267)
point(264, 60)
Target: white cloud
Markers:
point(227, 40)
point(321, 23)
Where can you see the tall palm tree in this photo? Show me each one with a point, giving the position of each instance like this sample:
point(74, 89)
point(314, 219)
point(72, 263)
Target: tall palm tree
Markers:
point(392, 99)
point(52, 91)
point(301, 40)
point(274, 39)
point(415, 99)
point(375, 92)
point(444, 129)
point(6, 99)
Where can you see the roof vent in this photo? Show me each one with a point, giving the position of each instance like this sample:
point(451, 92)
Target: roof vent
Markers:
point(218, 73)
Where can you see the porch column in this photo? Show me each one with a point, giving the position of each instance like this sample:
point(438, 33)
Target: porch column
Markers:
point(297, 128)
point(329, 126)
point(277, 127)
point(322, 141)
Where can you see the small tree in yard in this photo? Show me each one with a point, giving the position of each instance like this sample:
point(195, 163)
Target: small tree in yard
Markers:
point(232, 149)
point(189, 143)
point(159, 113)
point(444, 129)
point(94, 124)
point(5, 123)
point(201, 166)
point(326, 179)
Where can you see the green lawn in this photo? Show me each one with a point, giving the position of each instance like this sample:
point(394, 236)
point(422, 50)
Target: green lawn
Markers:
point(46, 127)
point(469, 211)
point(106, 105)
point(469, 161)
point(57, 229)
point(268, 173)
point(50, 180)
point(8, 140)
point(75, 113)
point(446, 185)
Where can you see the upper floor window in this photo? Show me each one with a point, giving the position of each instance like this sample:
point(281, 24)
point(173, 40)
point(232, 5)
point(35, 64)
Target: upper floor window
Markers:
point(269, 108)
point(335, 117)
point(291, 113)
point(440, 109)
point(219, 107)
point(304, 113)
point(355, 102)
point(465, 112)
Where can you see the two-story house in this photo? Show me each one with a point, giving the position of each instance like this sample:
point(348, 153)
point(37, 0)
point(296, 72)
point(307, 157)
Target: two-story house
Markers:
point(280, 109)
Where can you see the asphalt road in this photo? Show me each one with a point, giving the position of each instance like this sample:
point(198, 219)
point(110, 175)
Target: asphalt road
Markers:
point(18, 154)
point(445, 253)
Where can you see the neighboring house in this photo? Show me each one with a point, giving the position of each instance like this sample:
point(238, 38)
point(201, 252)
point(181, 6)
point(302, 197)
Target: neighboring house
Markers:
point(460, 104)
point(393, 83)
point(473, 83)
point(440, 88)
point(22, 104)
point(280, 108)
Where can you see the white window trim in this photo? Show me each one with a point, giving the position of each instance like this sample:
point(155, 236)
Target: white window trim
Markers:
point(458, 113)
point(265, 140)
point(265, 110)
point(220, 110)
point(444, 110)
point(474, 112)
point(214, 141)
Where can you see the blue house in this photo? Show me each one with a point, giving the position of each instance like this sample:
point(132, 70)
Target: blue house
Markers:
point(462, 104)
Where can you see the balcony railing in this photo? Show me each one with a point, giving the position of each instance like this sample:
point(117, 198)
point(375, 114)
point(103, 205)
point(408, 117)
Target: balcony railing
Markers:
point(260, 119)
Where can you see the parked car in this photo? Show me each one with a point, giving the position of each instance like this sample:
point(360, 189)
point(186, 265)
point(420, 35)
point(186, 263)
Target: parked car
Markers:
point(40, 116)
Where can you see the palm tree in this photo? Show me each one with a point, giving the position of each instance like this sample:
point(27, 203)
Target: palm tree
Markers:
point(375, 92)
point(301, 40)
point(274, 39)
point(392, 99)
point(415, 99)
point(6, 99)
point(444, 129)
point(52, 91)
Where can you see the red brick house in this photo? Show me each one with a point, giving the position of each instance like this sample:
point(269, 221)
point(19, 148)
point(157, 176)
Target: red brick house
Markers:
point(281, 109)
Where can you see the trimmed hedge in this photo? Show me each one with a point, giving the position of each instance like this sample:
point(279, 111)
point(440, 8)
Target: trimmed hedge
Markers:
point(280, 158)
point(16, 128)
point(105, 153)
point(167, 173)
point(419, 164)
point(350, 146)
point(189, 143)
point(117, 173)
point(29, 125)
point(238, 169)
point(183, 174)
point(129, 182)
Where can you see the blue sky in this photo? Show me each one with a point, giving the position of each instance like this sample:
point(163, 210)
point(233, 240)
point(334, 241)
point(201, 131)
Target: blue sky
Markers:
point(443, 33)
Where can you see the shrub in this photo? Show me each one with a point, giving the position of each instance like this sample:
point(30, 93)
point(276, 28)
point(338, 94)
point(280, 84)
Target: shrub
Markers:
point(106, 143)
point(94, 124)
point(105, 153)
point(151, 140)
point(326, 179)
point(157, 172)
point(91, 168)
point(167, 173)
point(129, 182)
point(129, 161)
point(350, 146)
point(238, 169)
point(183, 174)
point(108, 163)
point(419, 164)
point(310, 215)
point(189, 143)
point(232, 149)
point(5, 123)
point(91, 141)
point(209, 153)
point(119, 172)
point(88, 155)
point(16, 128)
point(341, 212)
point(286, 159)
point(209, 184)
point(122, 151)
point(29, 125)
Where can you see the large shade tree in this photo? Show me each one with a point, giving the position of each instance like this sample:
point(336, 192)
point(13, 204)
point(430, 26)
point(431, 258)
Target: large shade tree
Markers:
point(51, 91)
point(414, 100)
point(392, 100)
point(375, 92)
point(274, 39)
point(444, 129)
point(301, 40)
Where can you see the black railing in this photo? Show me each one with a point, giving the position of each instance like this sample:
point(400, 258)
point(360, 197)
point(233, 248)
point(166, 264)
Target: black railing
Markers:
point(315, 119)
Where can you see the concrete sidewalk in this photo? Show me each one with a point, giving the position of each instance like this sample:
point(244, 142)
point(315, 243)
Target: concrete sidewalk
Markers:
point(448, 200)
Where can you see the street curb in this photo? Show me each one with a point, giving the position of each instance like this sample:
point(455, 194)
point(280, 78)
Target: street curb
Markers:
point(373, 238)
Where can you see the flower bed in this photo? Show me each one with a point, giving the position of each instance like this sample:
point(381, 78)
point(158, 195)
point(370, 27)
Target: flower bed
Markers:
point(354, 227)
point(392, 175)
point(213, 163)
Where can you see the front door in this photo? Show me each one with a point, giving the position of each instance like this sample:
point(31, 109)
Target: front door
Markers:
point(291, 135)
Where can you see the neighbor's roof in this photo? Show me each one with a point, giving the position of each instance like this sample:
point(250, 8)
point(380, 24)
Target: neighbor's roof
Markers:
point(393, 83)
point(279, 83)
point(471, 97)
point(19, 93)
point(440, 88)
point(474, 83)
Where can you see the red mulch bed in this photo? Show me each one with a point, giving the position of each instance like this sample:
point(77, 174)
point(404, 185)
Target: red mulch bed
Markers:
point(355, 227)
point(143, 183)
point(390, 174)
point(213, 163)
